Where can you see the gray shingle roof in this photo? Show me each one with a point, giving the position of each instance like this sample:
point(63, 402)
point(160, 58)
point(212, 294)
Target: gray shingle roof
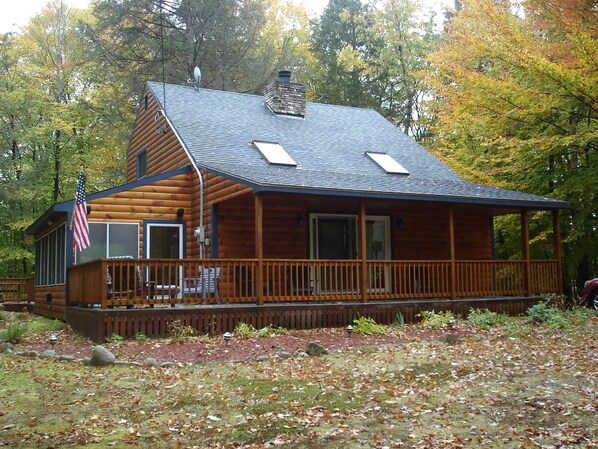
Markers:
point(218, 129)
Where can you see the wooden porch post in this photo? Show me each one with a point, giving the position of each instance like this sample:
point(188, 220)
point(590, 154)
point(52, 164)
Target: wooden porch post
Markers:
point(453, 277)
point(556, 230)
point(363, 252)
point(525, 252)
point(259, 248)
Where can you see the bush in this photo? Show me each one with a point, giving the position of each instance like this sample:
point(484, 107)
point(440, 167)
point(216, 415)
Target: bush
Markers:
point(115, 339)
point(367, 326)
point(178, 331)
point(15, 331)
point(436, 320)
point(542, 313)
point(485, 319)
point(244, 330)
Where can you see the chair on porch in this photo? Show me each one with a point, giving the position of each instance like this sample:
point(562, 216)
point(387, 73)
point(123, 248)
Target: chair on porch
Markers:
point(125, 282)
point(205, 284)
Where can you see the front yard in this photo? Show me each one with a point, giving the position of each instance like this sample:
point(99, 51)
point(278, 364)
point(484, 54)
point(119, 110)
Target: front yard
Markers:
point(516, 385)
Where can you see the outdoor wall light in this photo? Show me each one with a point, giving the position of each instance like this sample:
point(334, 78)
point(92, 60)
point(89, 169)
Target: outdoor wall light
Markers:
point(349, 330)
point(180, 212)
point(227, 337)
point(52, 340)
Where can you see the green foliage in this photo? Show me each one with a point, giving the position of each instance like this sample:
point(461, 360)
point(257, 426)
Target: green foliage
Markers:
point(485, 319)
point(42, 324)
point(244, 330)
point(367, 326)
point(115, 339)
point(15, 331)
point(436, 320)
point(178, 331)
point(542, 313)
point(140, 336)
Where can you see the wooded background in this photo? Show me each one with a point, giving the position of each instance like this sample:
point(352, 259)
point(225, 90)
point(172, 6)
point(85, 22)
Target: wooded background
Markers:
point(504, 92)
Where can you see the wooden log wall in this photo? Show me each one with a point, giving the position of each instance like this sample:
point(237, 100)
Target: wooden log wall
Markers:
point(101, 324)
point(417, 232)
point(158, 201)
point(151, 132)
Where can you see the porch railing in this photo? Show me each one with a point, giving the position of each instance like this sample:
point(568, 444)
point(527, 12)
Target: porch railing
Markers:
point(149, 282)
point(16, 290)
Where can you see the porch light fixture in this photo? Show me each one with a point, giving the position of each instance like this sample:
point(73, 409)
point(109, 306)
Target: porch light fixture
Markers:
point(180, 212)
point(53, 340)
point(349, 330)
point(227, 337)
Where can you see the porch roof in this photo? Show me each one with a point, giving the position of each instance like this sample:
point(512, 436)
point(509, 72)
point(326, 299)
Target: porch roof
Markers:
point(329, 144)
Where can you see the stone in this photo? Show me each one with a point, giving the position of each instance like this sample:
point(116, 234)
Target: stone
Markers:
point(30, 354)
point(6, 347)
point(67, 358)
point(86, 361)
point(152, 362)
point(100, 356)
point(167, 365)
point(285, 355)
point(449, 339)
point(314, 349)
point(262, 358)
point(48, 353)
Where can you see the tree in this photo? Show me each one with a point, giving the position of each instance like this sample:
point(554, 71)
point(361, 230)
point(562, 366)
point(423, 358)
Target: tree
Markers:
point(517, 85)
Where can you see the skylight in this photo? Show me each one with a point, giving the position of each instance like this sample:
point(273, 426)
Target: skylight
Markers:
point(274, 153)
point(388, 164)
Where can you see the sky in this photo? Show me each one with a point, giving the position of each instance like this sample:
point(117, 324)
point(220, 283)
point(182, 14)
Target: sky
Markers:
point(20, 11)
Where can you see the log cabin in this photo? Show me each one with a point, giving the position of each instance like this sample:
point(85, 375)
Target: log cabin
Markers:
point(275, 210)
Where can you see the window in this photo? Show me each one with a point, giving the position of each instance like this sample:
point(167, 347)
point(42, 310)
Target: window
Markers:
point(142, 164)
point(50, 258)
point(111, 240)
point(274, 153)
point(388, 164)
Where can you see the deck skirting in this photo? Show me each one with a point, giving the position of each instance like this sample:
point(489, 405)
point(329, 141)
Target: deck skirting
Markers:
point(98, 325)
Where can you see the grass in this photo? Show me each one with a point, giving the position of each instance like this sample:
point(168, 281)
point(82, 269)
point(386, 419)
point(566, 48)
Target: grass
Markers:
point(497, 391)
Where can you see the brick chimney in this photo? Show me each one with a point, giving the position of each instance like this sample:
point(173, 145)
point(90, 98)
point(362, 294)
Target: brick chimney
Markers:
point(284, 97)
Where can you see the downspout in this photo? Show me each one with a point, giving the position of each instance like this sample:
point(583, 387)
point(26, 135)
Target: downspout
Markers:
point(199, 232)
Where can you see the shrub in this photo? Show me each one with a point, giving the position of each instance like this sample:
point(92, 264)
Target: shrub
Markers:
point(140, 336)
point(15, 331)
point(178, 331)
point(367, 326)
point(485, 319)
point(244, 330)
point(436, 320)
point(542, 313)
point(115, 339)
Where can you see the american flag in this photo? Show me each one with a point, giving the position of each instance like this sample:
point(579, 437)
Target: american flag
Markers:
point(80, 228)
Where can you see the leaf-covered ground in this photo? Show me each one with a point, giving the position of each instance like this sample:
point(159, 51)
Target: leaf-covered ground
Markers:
point(512, 387)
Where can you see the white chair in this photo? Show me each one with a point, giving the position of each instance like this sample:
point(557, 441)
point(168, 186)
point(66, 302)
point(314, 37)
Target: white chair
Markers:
point(204, 285)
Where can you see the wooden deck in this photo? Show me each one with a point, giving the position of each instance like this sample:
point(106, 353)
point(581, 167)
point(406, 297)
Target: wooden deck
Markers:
point(98, 324)
point(17, 294)
point(139, 283)
point(131, 296)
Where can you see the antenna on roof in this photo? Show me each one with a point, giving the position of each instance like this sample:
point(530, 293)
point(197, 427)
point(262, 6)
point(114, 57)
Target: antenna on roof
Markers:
point(197, 77)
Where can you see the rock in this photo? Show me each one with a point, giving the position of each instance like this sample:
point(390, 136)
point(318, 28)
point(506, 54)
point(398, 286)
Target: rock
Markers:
point(100, 356)
point(167, 364)
point(67, 358)
point(285, 355)
point(262, 358)
point(314, 349)
point(449, 339)
point(152, 362)
point(6, 347)
point(86, 361)
point(30, 353)
point(48, 353)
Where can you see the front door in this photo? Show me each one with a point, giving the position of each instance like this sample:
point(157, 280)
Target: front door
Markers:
point(165, 241)
point(335, 237)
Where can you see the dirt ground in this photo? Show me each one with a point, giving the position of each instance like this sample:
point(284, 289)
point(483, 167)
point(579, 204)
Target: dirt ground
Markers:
point(214, 349)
